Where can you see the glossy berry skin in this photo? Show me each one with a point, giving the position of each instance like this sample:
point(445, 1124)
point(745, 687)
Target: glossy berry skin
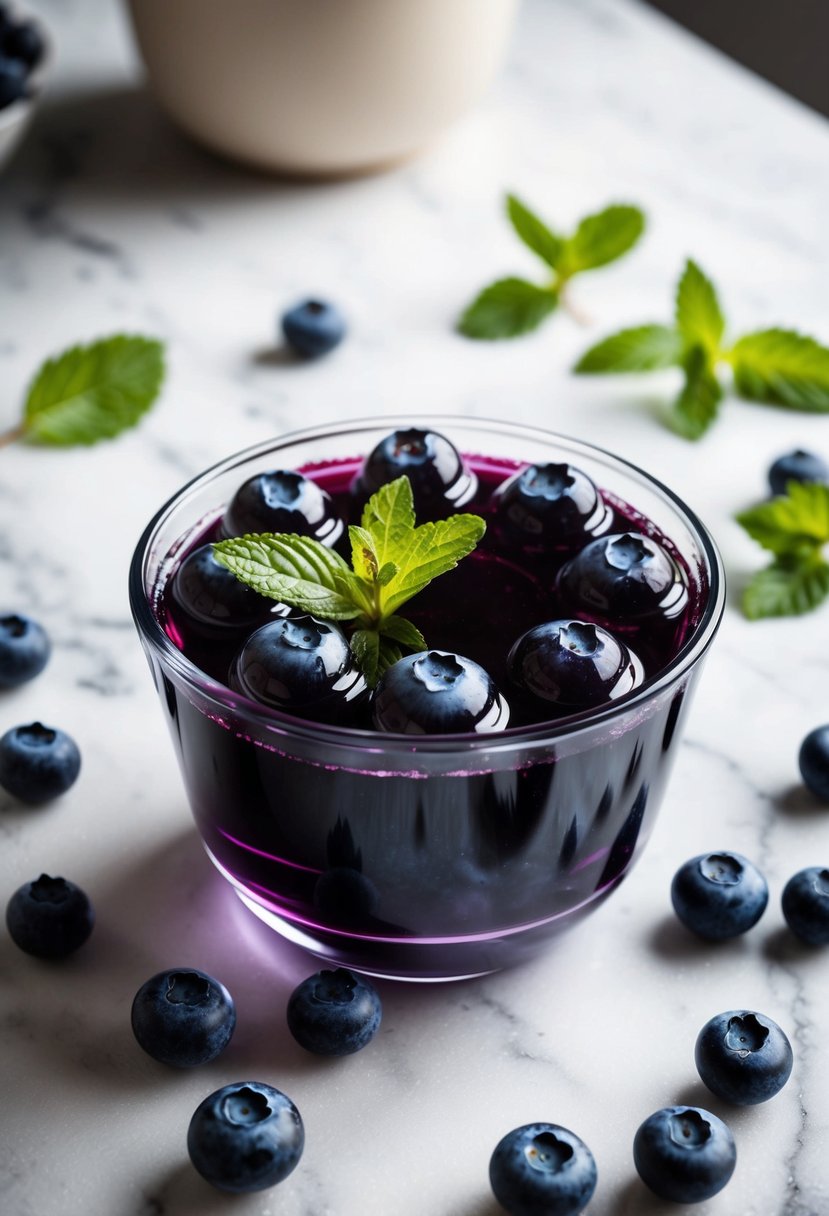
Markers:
point(183, 1017)
point(313, 328)
point(806, 905)
point(743, 1057)
point(624, 576)
point(796, 466)
point(436, 692)
point(573, 665)
point(334, 1013)
point(283, 501)
point(813, 760)
point(440, 481)
point(719, 895)
point(245, 1137)
point(50, 917)
point(214, 601)
point(684, 1154)
point(542, 1169)
point(12, 80)
point(37, 762)
point(24, 649)
point(300, 665)
point(550, 507)
point(23, 41)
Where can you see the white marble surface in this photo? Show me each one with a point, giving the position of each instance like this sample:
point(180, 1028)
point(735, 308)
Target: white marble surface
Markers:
point(110, 221)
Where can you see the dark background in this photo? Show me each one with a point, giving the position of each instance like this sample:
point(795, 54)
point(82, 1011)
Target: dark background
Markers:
point(787, 41)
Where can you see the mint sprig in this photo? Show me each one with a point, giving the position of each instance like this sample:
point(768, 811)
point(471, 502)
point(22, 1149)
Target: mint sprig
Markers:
point(794, 528)
point(91, 392)
point(392, 559)
point(513, 306)
point(770, 366)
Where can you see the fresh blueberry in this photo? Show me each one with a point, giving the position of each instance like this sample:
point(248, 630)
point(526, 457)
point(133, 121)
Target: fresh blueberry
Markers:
point(796, 466)
point(183, 1017)
point(214, 601)
point(806, 905)
point(440, 481)
point(334, 1013)
point(300, 665)
point(38, 762)
point(12, 80)
point(684, 1154)
point(283, 501)
point(814, 762)
point(50, 917)
point(573, 665)
point(245, 1137)
point(437, 693)
point(743, 1057)
point(24, 649)
point(624, 576)
point(313, 328)
point(719, 895)
point(542, 1169)
point(550, 507)
point(23, 41)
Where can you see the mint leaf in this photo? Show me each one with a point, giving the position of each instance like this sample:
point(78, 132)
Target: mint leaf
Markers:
point(533, 232)
point(389, 653)
point(601, 238)
point(432, 550)
point(787, 587)
point(794, 523)
point(365, 643)
point(642, 349)
point(389, 518)
point(696, 406)
point(364, 560)
point(295, 570)
point(400, 630)
point(93, 392)
point(782, 367)
point(698, 315)
point(506, 309)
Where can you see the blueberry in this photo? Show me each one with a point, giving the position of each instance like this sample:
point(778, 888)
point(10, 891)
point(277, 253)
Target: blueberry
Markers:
point(719, 895)
point(550, 506)
point(12, 80)
point(183, 1017)
point(300, 665)
point(24, 649)
point(334, 1013)
point(313, 328)
point(213, 599)
point(814, 762)
point(743, 1057)
point(23, 41)
point(542, 1169)
point(624, 576)
point(684, 1154)
point(245, 1137)
point(50, 917)
point(440, 481)
point(573, 665)
point(283, 501)
point(806, 905)
point(436, 693)
point(38, 762)
point(796, 466)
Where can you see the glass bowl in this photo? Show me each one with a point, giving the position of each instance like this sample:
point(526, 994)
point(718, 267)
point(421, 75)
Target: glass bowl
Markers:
point(430, 857)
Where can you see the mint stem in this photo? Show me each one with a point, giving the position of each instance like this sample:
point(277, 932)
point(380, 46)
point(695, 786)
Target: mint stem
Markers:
point(9, 437)
point(573, 310)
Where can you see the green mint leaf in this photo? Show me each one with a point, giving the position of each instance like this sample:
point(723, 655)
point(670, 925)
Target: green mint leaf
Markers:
point(696, 406)
point(431, 550)
point(389, 654)
point(389, 518)
point(642, 349)
point(364, 558)
point(601, 238)
point(400, 630)
point(533, 232)
point(782, 367)
point(507, 309)
point(93, 392)
point(365, 644)
point(386, 573)
point(294, 570)
point(698, 315)
point(796, 523)
point(787, 587)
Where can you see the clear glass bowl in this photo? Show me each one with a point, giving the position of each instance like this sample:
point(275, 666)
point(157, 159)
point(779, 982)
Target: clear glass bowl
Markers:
point(433, 857)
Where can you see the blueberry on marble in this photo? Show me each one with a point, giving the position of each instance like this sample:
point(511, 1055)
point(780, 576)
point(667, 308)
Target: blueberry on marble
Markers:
point(313, 328)
point(38, 762)
point(245, 1137)
point(684, 1154)
point(806, 905)
point(441, 483)
point(183, 1017)
point(213, 599)
point(550, 506)
point(624, 576)
point(12, 80)
point(300, 665)
point(49, 917)
point(813, 760)
point(573, 665)
point(542, 1169)
point(334, 1013)
point(719, 895)
point(796, 466)
point(23, 42)
point(283, 501)
point(436, 692)
point(743, 1057)
point(24, 649)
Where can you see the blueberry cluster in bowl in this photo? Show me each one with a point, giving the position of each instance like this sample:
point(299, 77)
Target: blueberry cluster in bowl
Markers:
point(21, 50)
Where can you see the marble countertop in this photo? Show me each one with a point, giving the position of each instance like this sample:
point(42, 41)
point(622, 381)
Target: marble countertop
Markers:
point(110, 221)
